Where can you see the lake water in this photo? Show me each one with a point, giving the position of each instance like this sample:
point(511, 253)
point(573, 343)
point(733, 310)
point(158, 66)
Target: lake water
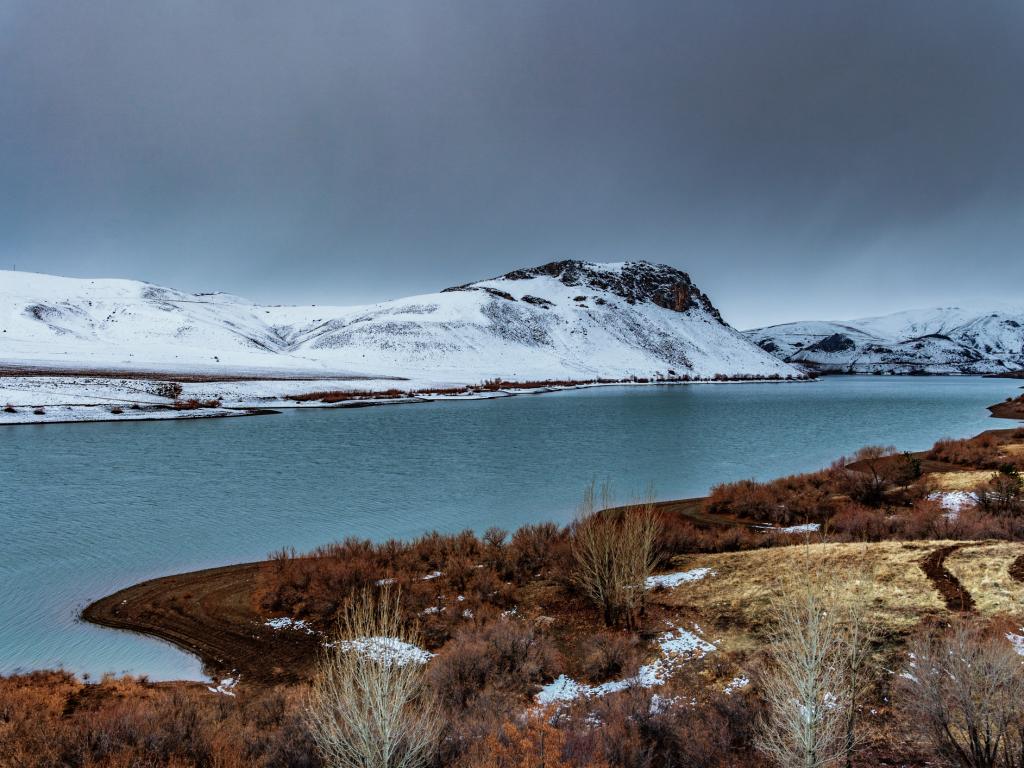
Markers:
point(89, 508)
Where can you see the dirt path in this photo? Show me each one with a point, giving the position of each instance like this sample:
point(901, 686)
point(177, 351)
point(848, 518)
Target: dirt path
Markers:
point(209, 613)
point(953, 592)
point(1016, 569)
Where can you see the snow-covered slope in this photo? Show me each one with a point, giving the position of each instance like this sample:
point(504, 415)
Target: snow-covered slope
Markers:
point(940, 340)
point(565, 320)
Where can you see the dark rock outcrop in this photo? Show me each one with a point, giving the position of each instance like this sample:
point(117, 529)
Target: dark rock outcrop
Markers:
point(635, 282)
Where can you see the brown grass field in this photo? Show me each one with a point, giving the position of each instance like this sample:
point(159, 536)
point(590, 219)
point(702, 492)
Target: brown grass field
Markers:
point(737, 600)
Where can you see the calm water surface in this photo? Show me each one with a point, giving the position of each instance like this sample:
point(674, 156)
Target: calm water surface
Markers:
point(86, 509)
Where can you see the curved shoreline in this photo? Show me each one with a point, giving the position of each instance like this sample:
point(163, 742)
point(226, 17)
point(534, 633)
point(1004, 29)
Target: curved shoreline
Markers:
point(210, 613)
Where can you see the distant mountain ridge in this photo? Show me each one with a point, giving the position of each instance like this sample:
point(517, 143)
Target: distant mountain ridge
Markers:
point(939, 340)
point(564, 320)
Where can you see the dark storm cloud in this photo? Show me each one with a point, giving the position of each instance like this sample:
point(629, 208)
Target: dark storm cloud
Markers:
point(798, 158)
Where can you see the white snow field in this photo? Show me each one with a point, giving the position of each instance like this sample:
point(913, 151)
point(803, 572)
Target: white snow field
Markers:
point(987, 339)
point(568, 321)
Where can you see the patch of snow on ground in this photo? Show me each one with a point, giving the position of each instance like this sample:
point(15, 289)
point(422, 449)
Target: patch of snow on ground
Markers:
point(285, 622)
point(670, 580)
point(431, 576)
point(805, 528)
point(1017, 641)
point(225, 687)
point(389, 650)
point(954, 501)
point(564, 688)
point(677, 646)
point(741, 681)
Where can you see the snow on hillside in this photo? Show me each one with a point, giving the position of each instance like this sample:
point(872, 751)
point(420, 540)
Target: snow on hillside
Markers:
point(566, 320)
point(938, 340)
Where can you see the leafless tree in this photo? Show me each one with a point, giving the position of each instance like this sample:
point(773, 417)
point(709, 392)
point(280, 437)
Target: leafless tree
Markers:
point(876, 471)
point(614, 552)
point(964, 692)
point(858, 633)
point(819, 670)
point(369, 708)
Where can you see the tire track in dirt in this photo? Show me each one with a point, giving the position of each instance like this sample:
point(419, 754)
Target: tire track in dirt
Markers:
point(210, 614)
point(1016, 569)
point(953, 592)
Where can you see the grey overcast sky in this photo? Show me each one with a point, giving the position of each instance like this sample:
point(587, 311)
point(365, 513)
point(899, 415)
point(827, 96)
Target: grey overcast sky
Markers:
point(800, 158)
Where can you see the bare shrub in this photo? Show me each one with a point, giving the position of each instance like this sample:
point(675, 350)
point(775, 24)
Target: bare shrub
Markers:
point(613, 553)
point(871, 472)
point(530, 550)
point(170, 389)
point(963, 694)
point(607, 655)
point(505, 656)
point(193, 404)
point(983, 451)
point(817, 674)
point(860, 523)
point(808, 497)
point(372, 710)
point(526, 743)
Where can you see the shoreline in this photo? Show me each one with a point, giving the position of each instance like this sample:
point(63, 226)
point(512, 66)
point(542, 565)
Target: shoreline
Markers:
point(256, 405)
point(210, 613)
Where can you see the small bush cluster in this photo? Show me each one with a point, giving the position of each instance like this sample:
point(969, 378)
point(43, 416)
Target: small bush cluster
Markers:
point(193, 404)
point(984, 452)
point(445, 580)
point(52, 719)
point(798, 498)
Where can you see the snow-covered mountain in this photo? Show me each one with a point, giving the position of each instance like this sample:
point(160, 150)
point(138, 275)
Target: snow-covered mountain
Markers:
point(564, 320)
point(939, 340)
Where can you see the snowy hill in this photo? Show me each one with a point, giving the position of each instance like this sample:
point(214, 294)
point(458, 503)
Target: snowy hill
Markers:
point(565, 320)
point(939, 340)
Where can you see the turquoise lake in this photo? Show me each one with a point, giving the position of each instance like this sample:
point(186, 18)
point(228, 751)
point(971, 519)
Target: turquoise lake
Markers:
point(90, 508)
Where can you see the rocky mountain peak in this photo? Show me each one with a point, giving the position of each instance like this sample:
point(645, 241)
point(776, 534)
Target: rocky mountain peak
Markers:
point(635, 281)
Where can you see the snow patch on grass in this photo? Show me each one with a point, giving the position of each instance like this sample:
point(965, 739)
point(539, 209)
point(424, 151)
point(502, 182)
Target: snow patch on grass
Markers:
point(805, 528)
point(225, 687)
point(285, 622)
point(1017, 641)
point(954, 501)
point(387, 650)
point(741, 681)
point(676, 646)
point(670, 580)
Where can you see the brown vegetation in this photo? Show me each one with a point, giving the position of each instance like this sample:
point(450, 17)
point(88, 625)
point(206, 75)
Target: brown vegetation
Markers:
point(1011, 408)
point(52, 719)
point(986, 451)
point(508, 613)
point(368, 711)
point(193, 404)
point(963, 691)
point(613, 554)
